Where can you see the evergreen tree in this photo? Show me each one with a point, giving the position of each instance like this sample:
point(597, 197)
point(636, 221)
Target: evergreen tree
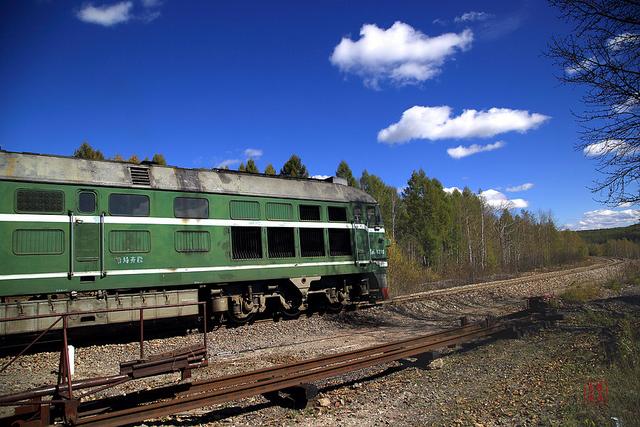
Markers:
point(242, 167)
point(270, 170)
point(86, 151)
point(344, 171)
point(294, 167)
point(134, 159)
point(118, 158)
point(159, 159)
point(252, 167)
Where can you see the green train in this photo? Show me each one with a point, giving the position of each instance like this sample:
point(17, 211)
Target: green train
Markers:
point(82, 235)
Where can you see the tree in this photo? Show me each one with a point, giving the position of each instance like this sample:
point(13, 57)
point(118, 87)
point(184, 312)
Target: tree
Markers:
point(428, 217)
point(386, 196)
point(294, 167)
point(269, 170)
point(118, 158)
point(242, 167)
point(252, 167)
point(159, 159)
point(602, 55)
point(86, 151)
point(344, 171)
point(134, 159)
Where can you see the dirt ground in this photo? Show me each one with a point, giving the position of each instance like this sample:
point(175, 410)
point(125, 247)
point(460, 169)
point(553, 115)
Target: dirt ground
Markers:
point(519, 381)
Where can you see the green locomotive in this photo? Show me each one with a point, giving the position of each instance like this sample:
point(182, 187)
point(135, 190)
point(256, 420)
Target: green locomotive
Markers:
point(80, 235)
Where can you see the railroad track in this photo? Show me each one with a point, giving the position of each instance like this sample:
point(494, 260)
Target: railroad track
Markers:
point(500, 283)
point(167, 400)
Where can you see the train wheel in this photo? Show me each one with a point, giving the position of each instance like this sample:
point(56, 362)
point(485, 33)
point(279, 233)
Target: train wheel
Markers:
point(334, 307)
point(242, 319)
point(294, 302)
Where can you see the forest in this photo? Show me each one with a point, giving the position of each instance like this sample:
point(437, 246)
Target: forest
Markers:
point(437, 234)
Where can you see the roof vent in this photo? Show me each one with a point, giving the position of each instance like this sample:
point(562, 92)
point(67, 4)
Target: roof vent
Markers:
point(336, 180)
point(139, 176)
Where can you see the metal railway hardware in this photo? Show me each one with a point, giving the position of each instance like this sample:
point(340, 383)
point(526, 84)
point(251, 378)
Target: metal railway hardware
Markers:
point(84, 235)
point(63, 403)
point(294, 379)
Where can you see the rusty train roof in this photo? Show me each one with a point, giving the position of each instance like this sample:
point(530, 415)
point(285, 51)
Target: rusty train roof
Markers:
point(69, 170)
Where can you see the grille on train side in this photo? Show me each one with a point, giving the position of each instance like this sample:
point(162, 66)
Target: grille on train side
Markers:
point(139, 176)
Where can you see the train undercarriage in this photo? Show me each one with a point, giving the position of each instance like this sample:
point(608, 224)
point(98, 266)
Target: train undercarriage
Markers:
point(231, 303)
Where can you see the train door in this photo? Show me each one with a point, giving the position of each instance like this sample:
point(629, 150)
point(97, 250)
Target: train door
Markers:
point(87, 240)
point(360, 236)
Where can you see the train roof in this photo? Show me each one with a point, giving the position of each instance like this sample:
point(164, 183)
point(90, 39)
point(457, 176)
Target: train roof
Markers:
point(69, 170)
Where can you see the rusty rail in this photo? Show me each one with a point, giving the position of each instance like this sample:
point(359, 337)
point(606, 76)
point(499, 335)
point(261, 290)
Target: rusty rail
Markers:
point(61, 394)
point(167, 400)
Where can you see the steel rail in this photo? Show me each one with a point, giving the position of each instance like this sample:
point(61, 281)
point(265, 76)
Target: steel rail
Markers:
point(285, 376)
point(506, 282)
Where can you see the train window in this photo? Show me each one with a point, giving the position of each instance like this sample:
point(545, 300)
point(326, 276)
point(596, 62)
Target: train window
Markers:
point(311, 242)
point(309, 213)
point(373, 218)
point(279, 211)
point(337, 214)
point(86, 202)
point(39, 201)
point(357, 213)
point(280, 242)
point(339, 242)
point(190, 207)
point(246, 242)
point(129, 205)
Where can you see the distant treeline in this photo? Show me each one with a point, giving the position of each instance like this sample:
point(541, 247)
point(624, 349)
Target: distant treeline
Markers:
point(631, 233)
point(623, 242)
point(437, 234)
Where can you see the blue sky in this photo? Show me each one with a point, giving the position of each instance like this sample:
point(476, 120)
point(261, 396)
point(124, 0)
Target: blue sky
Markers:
point(203, 82)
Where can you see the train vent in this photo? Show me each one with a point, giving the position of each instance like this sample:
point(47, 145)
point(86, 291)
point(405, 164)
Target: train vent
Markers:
point(139, 176)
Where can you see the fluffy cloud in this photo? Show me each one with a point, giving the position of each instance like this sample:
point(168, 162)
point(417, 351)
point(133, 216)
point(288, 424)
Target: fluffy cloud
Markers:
point(106, 15)
point(253, 153)
point(524, 187)
point(623, 41)
point(450, 190)
point(472, 16)
point(461, 151)
point(609, 147)
point(498, 200)
point(606, 218)
point(227, 163)
point(400, 53)
point(435, 123)
point(322, 177)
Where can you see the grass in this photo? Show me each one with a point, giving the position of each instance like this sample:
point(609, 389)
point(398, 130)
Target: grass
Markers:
point(621, 376)
point(578, 294)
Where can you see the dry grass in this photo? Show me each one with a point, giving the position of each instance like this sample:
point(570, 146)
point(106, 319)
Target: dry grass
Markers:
point(406, 276)
point(578, 294)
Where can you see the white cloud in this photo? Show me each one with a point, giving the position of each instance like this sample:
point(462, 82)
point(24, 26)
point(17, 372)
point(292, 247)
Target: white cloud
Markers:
point(609, 147)
point(450, 190)
point(400, 53)
point(472, 16)
point(461, 151)
point(606, 218)
point(323, 177)
point(227, 163)
point(107, 15)
point(627, 106)
point(523, 187)
point(498, 200)
point(253, 153)
point(623, 41)
point(435, 123)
